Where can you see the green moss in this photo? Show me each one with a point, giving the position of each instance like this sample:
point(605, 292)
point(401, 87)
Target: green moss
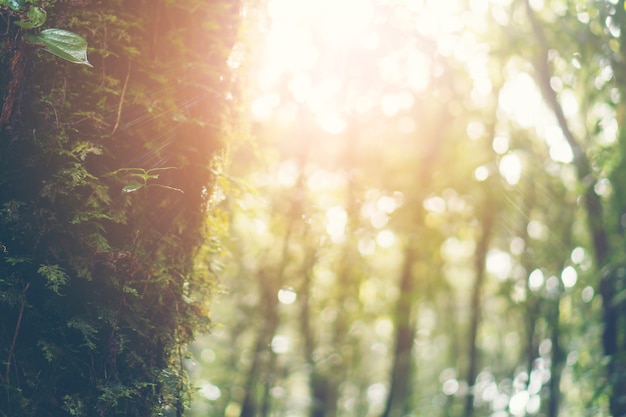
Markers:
point(94, 281)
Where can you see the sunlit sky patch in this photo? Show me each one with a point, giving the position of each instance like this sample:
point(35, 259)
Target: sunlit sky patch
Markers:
point(499, 263)
point(287, 295)
point(304, 34)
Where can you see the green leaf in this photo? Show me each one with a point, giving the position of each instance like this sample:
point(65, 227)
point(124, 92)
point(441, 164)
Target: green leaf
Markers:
point(88, 331)
point(14, 4)
point(55, 277)
point(14, 260)
point(64, 44)
point(36, 16)
point(132, 187)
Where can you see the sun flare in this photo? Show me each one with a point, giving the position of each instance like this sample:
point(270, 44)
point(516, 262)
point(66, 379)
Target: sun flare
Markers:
point(335, 56)
point(330, 53)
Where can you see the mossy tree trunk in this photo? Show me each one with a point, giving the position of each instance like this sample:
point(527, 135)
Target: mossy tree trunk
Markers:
point(106, 174)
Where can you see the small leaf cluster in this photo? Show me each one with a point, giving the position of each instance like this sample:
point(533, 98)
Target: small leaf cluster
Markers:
point(31, 14)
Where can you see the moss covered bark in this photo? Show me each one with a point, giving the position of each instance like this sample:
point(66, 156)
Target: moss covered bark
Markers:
point(105, 176)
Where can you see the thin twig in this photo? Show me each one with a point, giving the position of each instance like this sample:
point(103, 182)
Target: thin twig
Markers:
point(17, 329)
point(122, 95)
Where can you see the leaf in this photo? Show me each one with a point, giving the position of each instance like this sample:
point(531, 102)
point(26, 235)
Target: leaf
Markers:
point(14, 260)
point(64, 44)
point(14, 4)
point(88, 331)
point(36, 17)
point(55, 277)
point(132, 187)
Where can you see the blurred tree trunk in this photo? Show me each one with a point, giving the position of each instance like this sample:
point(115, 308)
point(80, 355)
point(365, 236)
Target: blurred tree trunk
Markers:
point(556, 366)
point(405, 323)
point(454, 347)
point(480, 258)
point(613, 284)
point(261, 355)
point(609, 283)
point(270, 281)
point(321, 398)
point(532, 311)
point(318, 399)
point(486, 209)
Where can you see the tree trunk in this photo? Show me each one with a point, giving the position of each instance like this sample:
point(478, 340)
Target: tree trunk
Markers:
point(405, 331)
point(250, 404)
point(556, 366)
point(616, 369)
point(480, 258)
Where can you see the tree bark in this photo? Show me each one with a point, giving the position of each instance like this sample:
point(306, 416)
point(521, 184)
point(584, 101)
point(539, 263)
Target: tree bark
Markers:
point(405, 330)
point(250, 405)
point(556, 367)
point(480, 258)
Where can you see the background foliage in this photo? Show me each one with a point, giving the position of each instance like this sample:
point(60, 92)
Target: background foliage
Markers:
point(437, 221)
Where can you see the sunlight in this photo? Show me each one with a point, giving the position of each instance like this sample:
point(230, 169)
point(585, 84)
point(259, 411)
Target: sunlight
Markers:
point(263, 106)
point(510, 168)
point(569, 276)
point(290, 46)
point(280, 344)
point(442, 16)
point(336, 221)
point(287, 295)
point(211, 392)
point(306, 37)
point(332, 122)
point(499, 263)
point(578, 255)
point(535, 280)
point(322, 180)
point(560, 150)
point(288, 173)
point(521, 100)
point(289, 49)
point(376, 393)
point(435, 204)
point(587, 294)
point(450, 387)
point(386, 204)
point(518, 403)
point(344, 21)
point(386, 239)
point(481, 173)
point(367, 246)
